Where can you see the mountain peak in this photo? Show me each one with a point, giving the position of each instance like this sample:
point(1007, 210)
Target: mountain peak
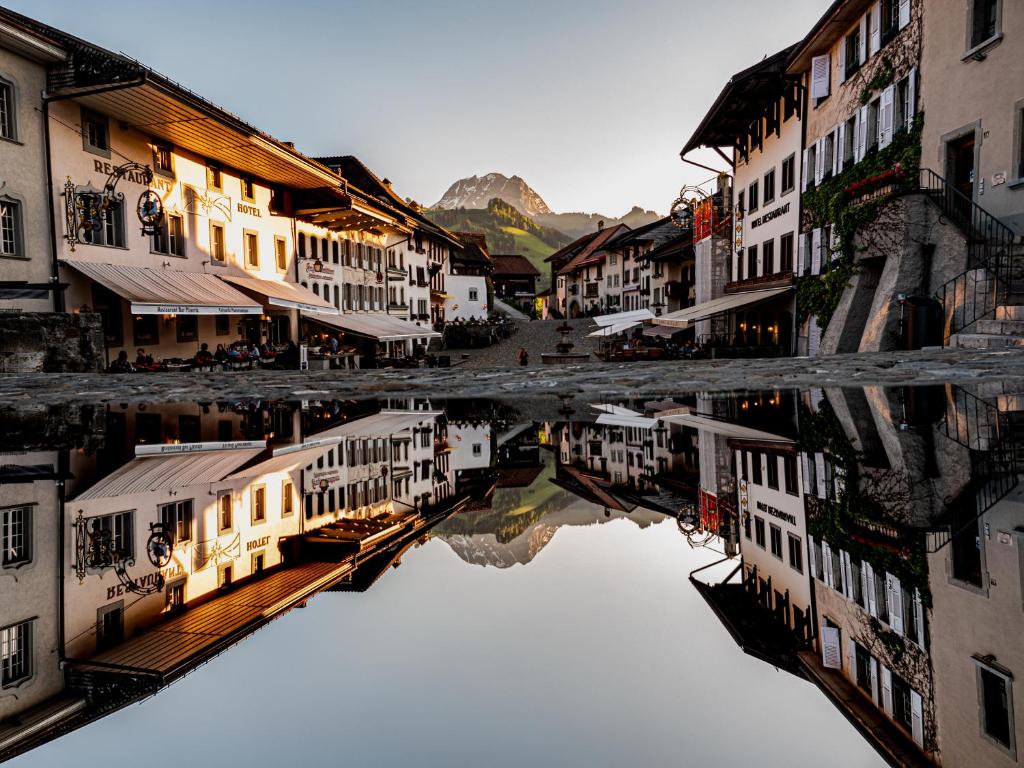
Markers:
point(476, 192)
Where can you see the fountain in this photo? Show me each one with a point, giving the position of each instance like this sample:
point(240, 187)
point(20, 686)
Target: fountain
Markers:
point(563, 350)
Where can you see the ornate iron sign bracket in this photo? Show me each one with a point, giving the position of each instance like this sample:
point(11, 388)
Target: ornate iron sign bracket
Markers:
point(94, 550)
point(85, 207)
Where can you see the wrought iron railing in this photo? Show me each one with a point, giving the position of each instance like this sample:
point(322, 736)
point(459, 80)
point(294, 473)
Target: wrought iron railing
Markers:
point(979, 426)
point(993, 271)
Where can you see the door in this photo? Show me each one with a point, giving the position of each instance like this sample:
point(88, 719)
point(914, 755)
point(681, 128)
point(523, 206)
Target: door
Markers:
point(960, 170)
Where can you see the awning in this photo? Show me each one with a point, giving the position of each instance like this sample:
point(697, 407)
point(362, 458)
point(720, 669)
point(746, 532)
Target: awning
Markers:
point(162, 473)
point(283, 462)
point(167, 292)
point(283, 294)
point(380, 327)
point(718, 427)
point(618, 318)
point(661, 331)
point(719, 306)
point(614, 330)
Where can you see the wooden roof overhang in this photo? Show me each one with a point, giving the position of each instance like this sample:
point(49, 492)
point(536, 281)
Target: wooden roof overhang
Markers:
point(745, 99)
point(834, 23)
point(339, 210)
point(177, 116)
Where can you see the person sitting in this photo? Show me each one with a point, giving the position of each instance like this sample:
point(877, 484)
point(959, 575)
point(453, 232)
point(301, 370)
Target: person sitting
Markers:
point(333, 343)
point(142, 360)
point(254, 351)
point(121, 365)
point(233, 354)
point(204, 356)
point(221, 355)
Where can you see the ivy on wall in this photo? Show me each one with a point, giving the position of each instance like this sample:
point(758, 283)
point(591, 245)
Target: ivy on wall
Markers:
point(839, 201)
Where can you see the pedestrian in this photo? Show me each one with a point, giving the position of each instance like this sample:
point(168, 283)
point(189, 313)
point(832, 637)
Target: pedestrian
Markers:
point(524, 356)
point(121, 365)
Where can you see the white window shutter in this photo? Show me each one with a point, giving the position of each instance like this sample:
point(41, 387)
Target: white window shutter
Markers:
point(803, 173)
point(875, 37)
point(816, 258)
point(886, 690)
point(919, 618)
point(840, 144)
point(820, 66)
point(917, 718)
point(842, 61)
point(862, 137)
point(801, 261)
point(819, 161)
point(874, 679)
point(870, 581)
point(835, 151)
point(831, 653)
point(894, 602)
point(864, 582)
point(847, 576)
point(886, 114)
point(904, 13)
point(856, 136)
point(826, 564)
point(863, 49)
point(810, 556)
point(851, 658)
point(911, 97)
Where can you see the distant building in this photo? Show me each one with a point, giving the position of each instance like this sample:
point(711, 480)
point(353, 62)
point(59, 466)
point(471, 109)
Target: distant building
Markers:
point(467, 292)
point(515, 280)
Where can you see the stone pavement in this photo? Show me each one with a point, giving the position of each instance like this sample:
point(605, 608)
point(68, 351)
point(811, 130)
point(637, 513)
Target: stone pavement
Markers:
point(537, 336)
point(592, 381)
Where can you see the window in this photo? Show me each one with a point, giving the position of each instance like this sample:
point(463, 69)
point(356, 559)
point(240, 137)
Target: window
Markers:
point(740, 197)
point(258, 562)
point(752, 200)
point(786, 265)
point(169, 238)
point(177, 520)
point(812, 164)
point(15, 535)
point(116, 529)
point(15, 653)
point(1020, 140)
point(817, 556)
point(751, 262)
point(224, 576)
point(163, 160)
point(852, 44)
point(259, 504)
point(252, 249)
point(828, 154)
point(901, 107)
point(856, 583)
point(10, 228)
point(901, 701)
point(281, 253)
point(109, 625)
point(217, 242)
point(890, 19)
point(759, 531)
point(755, 466)
point(862, 669)
point(474, 294)
point(768, 259)
point(287, 498)
point(222, 325)
point(796, 554)
point(187, 327)
point(95, 133)
point(109, 229)
point(477, 449)
point(214, 178)
point(994, 689)
point(872, 129)
point(776, 540)
point(744, 460)
point(984, 21)
point(788, 174)
point(846, 152)
point(746, 526)
point(225, 513)
point(8, 126)
point(881, 606)
point(769, 186)
point(174, 598)
point(145, 330)
point(248, 190)
point(837, 571)
point(772, 464)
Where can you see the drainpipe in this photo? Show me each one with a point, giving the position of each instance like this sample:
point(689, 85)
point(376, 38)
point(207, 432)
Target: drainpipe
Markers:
point(58, 295)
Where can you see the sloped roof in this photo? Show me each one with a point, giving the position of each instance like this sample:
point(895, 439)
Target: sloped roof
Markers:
point(591, 253)
point(514, 264)
point(574, 247)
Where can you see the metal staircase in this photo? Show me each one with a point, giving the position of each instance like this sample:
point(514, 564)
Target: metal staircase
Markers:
point(995, 270)
point(990, 436)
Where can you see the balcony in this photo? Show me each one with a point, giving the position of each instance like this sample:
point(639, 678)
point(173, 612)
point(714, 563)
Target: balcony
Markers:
point(396, 307)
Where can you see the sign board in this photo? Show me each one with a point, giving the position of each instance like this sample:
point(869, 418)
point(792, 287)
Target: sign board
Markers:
point(178, 448)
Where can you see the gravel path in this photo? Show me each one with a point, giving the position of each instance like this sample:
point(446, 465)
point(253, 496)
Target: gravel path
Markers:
point(591, 381)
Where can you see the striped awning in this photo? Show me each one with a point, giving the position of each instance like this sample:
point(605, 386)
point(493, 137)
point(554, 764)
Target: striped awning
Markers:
point(282, 294)
point(720, 306)
point(380, 327)
point(168, 292)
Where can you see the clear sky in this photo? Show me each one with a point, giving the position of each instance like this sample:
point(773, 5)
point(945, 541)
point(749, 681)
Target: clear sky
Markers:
point(590, 101)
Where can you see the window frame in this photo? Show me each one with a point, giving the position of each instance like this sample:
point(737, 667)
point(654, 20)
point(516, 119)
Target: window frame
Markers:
point(16, 206)
point(11, 87)
point(26, 535)
point(216, 226)
point(760, 538)
point(254, 262)
point(145, 341)
point(168, 238)
point(791, 163)
point(29, 666)
point(258, 491)
point(281, 253)
point(158, 148)
point(91, 116)
point(988, 665)
point(243, 183)
point(974, 46)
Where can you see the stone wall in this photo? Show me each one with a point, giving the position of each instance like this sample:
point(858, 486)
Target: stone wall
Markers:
point(51, 342)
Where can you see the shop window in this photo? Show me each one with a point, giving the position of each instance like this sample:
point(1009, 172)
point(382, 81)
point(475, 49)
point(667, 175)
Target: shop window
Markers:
point(149, 428)
point(8, 122)
point(769, 186)
point(187, 327)
point(251, 244)
point(775, 534)
point(984, 23)
point(95, 133)
point(110, 228)
point(16, 536)
point(223, 325)
point(190, 428)
point(759, 532)
point(281, 253)
point(163, 160)
point(214, 178)
point(145, 330)
point(995, 688)
point(11, 237)
point(177, 520)
point(796, 553)
point(248, 190)
point(788, 174)
point(217, 248)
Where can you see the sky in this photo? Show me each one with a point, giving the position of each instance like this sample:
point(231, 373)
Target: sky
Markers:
point(589, 101)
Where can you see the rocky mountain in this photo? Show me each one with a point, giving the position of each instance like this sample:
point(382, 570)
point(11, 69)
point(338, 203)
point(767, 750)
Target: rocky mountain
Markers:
point(579, 224)
point(478, 191)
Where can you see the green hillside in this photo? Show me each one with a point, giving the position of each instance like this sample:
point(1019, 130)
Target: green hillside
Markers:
point(507, 231)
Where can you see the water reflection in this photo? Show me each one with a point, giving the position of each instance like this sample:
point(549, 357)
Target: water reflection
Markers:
point(867, 541)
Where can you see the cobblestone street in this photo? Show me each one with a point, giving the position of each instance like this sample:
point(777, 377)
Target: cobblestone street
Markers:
point(536, 336)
